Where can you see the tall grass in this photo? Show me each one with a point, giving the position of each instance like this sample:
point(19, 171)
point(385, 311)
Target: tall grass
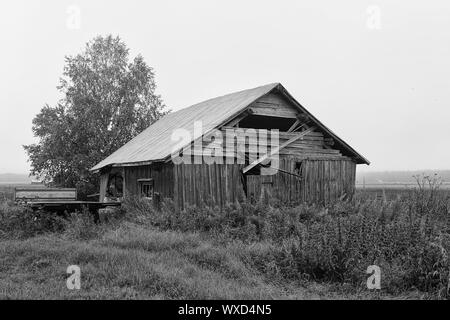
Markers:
point(407, 237)
point(21, 222)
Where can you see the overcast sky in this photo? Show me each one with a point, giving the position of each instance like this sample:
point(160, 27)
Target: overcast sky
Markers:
point(376, 72)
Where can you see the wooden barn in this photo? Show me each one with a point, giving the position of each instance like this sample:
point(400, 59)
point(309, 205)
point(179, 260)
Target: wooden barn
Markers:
point(246, 145)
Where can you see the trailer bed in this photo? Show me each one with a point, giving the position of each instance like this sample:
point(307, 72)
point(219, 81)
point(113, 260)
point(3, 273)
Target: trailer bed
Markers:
point(63, 207)
point(57, 200)
point(71, 205)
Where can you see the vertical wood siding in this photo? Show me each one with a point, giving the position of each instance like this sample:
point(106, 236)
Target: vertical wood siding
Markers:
point(322, 181)
point(214, 184)
point(161, 173)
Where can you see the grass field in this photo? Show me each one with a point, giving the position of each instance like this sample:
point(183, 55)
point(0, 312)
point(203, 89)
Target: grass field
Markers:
point(132, 262)
point(389, 193)
point(246, 252)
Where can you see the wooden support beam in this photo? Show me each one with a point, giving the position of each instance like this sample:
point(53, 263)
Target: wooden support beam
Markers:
point(273, 113)
point(296, 123)
point(304, 125)
point(276, 150)
point(290, 173)
point(302, 118)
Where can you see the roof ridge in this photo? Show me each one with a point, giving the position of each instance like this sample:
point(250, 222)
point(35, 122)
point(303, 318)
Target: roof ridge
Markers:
point(155, 143)
point(274, 84)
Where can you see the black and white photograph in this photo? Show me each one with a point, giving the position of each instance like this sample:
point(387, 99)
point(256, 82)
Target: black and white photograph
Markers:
point(225, 156)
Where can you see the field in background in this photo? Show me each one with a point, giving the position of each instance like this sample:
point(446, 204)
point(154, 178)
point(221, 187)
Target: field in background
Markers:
point(375, 190)
point(7, 189)
point(398, 177)
point(407, 186)
point(390, 193)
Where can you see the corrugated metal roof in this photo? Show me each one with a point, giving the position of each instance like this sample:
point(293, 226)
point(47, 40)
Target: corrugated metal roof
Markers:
point(155, 143)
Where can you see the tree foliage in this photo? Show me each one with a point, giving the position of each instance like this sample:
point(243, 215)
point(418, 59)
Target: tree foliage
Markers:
point(107, 100)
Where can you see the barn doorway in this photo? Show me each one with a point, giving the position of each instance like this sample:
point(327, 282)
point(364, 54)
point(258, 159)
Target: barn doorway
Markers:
point(114, 187)
point(258, 187)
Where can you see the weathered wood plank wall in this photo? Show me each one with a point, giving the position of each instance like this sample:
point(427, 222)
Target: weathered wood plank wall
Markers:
point(214, 184)
point(273, 105)
point(163, 175)
point(321, 181)
point(312, 144)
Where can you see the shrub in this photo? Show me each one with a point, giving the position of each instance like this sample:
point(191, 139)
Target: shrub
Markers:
point(22, 222)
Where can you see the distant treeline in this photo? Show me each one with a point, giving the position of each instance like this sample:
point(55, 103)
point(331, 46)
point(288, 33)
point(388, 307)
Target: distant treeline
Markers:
point(14, 178)
point(406, 177)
